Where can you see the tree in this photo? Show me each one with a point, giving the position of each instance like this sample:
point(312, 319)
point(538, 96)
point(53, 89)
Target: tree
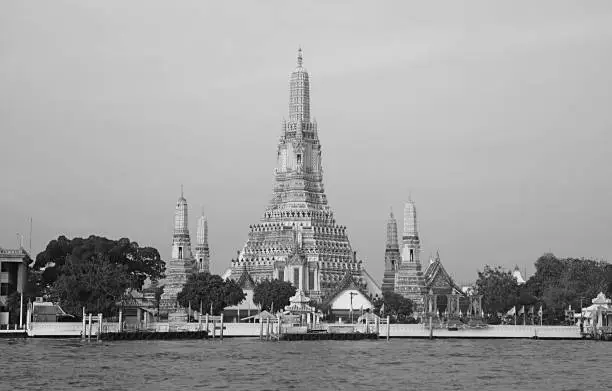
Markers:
point(561, 282)
point(140, 262)
point(498, 288)
point(209, 289)
point(396, 306)
point(275, 291)
point(95, 283)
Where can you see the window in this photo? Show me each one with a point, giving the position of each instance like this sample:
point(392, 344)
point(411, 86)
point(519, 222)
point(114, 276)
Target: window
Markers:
point(296, 277)
point(311, 279)
point(4, 267)
point(4, 289)
point(180, 254)
point(411, 255)
point(281, 275)
point(299, 158)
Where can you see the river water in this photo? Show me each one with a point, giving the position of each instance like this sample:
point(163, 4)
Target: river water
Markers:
point(248, 364)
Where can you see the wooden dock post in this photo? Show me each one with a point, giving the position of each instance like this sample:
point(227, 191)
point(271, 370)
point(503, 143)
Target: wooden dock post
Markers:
point(120, 321)
point(268, 329)
point(206, 324)
point(260, 330)
point(388, 326)
point(90, 327)
point(214, 327)
point(430, 328)
point(84, 330)
point(377, 324)
point(99, 326)
point(221, 326)
point(367, 325)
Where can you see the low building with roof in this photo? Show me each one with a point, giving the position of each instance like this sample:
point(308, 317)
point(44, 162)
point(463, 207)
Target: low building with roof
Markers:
point(13, 277)
point(244, 310)
point(350, 297)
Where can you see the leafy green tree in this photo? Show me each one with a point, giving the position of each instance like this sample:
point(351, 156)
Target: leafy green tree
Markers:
point(95, 283)
point(397, 307)
point(275, 291)
point(559, 283)
point(498, 288)
point(140, 262)
point(210, 289)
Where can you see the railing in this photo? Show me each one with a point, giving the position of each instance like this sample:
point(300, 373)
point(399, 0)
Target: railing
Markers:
point(11, 327)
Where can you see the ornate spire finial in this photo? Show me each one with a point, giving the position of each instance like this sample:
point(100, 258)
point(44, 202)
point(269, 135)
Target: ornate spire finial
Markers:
point(391, 212)
point(299, 56)
point(182, 190)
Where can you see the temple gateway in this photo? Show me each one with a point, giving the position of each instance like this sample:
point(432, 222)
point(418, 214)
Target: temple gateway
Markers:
point(298, 239)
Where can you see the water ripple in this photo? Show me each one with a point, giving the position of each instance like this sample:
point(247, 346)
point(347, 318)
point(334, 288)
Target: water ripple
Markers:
point(248, 364)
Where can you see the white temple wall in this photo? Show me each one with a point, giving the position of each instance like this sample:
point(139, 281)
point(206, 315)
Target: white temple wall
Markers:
point(343, 301)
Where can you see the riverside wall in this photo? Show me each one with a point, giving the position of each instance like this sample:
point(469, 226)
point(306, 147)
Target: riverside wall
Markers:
point(65, 330)
point(492, 331)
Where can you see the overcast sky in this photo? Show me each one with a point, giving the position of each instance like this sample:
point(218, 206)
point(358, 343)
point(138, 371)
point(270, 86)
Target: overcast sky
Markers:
point(494, 116)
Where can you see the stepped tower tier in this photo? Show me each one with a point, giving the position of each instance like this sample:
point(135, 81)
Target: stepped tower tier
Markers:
point(409, 281)
point(392, 255)
point(297, 238)
point(202, 252)
point(181, 262)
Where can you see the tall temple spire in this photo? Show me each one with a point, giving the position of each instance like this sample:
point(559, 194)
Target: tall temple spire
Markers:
point(411, 245)
point(180, 264)
point(292, 241)
point(409, 280)
point(392, 255)
point(202, 253)
point(410, 220)
point(299, 93)
point(181, 230)
point(202, 232)
point(392, 232)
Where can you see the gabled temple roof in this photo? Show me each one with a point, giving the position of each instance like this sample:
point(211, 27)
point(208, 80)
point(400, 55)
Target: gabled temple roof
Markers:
point(246, 281)
point(347, 282)
point(436, 270)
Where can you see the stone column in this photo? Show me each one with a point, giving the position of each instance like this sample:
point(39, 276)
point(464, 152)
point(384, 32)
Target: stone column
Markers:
point(138, 315)
point(286, 274)
point(435, 303)
point(301, 278)
point(84, 330)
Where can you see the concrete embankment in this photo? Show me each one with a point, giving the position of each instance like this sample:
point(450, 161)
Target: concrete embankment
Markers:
point(13, 334)
point(491, 331)
point(64, 330)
